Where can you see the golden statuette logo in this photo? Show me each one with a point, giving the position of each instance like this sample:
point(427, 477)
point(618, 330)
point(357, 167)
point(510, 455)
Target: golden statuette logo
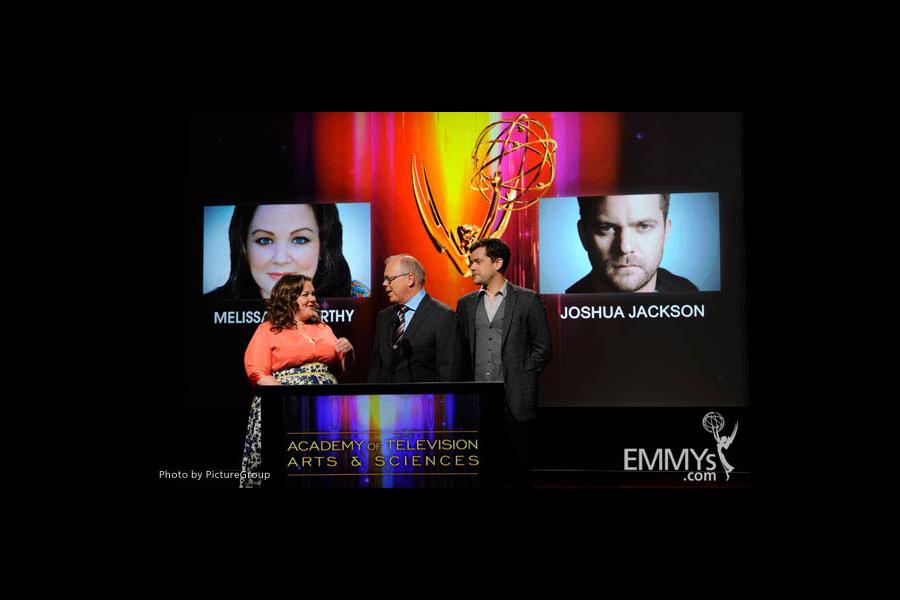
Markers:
point(521, 149)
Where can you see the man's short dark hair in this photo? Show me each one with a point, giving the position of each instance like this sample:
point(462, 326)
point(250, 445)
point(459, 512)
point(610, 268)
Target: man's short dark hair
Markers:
point(494, 248)
point(587, 203)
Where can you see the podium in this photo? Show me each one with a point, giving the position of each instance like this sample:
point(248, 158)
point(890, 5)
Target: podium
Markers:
point(410, 435)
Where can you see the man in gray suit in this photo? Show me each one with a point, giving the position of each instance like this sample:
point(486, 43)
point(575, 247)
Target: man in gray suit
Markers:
point(508, 338)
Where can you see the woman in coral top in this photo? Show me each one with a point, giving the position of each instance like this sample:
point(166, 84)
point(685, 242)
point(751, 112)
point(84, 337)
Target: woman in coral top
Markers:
point(291, 347)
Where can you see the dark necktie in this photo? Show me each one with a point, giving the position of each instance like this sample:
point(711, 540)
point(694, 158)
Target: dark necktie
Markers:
point(400, 326)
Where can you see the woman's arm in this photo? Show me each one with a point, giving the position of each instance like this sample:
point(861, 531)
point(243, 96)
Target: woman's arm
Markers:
point(348, 356)
point(258, 358)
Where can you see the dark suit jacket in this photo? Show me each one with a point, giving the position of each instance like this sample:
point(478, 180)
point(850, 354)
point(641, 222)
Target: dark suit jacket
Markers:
point(526, 345)
point(666, 281)
point(431, 349)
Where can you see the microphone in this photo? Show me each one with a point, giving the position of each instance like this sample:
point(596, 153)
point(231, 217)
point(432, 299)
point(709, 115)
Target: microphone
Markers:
point(406, 347)
point(392, 366)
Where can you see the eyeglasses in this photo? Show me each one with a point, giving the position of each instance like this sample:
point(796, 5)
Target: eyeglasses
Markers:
point(391, 278)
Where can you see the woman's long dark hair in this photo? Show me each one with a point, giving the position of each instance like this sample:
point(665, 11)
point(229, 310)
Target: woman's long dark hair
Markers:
point(282, 304)
point(332, 278)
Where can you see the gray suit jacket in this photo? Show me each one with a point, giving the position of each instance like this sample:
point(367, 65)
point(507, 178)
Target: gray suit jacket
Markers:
point(526, 345)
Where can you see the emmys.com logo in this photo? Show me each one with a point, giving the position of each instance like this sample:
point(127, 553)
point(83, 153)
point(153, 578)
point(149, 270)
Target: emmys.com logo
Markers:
point(700, 466)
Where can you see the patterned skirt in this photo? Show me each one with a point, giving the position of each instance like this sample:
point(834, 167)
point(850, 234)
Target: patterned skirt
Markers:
point(308, 374)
